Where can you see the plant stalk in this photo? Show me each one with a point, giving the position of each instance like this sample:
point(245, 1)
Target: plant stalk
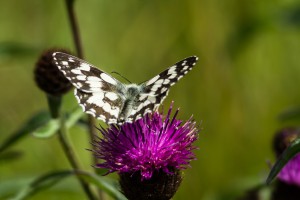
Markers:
point(74, 28)
point(54, 104)
point(79, 52)
point(67, 147)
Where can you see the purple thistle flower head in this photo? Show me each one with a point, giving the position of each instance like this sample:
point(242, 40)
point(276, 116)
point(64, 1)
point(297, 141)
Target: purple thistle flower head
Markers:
point(148, 145)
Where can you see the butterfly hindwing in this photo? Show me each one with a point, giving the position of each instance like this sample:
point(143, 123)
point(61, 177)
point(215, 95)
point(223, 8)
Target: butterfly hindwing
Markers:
point(147, 106)
point(105, 106)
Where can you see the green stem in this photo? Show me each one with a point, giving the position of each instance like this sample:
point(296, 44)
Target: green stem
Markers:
point(54, 103)
point(79, 51)
point(62, 134)
point(74, 27)
point(54, 106)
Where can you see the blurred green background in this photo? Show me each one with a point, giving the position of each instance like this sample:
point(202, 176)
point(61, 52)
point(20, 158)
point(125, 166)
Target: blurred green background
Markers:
point(248, 73)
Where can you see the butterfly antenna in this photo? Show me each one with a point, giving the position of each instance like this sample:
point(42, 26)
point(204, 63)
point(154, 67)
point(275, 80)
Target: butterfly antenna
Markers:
point(121, 76)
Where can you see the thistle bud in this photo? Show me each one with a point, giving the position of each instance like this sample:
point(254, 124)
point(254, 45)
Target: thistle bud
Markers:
point(48, 77)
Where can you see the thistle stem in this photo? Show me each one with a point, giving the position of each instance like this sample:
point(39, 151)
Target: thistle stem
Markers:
point(54, 104)
point(79, 52)
point(62, 134)
point(74, 27)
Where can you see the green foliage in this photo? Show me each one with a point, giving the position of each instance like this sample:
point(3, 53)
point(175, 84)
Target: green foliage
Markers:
point(48, 129)
point(48, 180)
point(41, 183)
point(34, 123)
point(106, 184)
point(52, 126)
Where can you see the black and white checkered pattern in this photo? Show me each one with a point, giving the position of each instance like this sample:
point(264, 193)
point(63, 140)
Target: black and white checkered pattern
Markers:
point(106, 98)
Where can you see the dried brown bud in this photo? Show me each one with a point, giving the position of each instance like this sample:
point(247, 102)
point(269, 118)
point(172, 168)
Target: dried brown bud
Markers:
point(48, 77)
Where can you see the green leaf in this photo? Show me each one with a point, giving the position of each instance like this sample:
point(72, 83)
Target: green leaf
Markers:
point(32, 124)
point(108, 185)
point(41, 183)
point(10, 187)
point(49, 129)
point(46, 181)
point(288, 154)
point(74, 117)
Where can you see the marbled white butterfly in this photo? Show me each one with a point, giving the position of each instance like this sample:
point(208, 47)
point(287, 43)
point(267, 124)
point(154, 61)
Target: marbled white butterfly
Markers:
point(106, 98)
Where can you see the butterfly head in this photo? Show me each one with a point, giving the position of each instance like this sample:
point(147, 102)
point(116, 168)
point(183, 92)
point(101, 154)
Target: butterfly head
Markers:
point(132, 90)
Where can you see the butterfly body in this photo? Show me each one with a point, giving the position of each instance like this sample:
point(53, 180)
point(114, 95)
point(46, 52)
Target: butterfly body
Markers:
point(106, 98)
point(130, 92)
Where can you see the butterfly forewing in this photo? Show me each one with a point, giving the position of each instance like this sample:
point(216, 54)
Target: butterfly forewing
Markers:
point(83, 75)
point(163, 81)
point(96, 91)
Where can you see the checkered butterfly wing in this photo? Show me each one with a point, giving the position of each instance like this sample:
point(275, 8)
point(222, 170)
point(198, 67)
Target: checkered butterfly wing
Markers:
point(155, 90)
point(97, 93)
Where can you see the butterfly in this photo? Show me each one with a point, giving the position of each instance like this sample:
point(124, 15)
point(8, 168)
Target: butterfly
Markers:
point(111, 101)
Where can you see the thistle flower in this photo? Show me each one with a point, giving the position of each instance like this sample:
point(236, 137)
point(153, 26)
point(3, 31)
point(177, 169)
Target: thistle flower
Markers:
point(148, 154)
